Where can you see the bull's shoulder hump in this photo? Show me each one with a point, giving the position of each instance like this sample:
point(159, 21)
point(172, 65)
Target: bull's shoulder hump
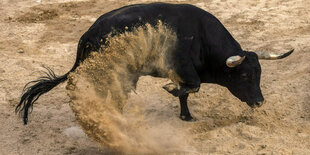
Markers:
point(166, 9)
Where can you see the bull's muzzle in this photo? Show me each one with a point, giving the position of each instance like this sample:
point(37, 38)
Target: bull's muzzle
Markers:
point(256, 104)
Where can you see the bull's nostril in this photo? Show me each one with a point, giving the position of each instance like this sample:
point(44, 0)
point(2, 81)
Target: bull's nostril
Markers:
point(260, 103)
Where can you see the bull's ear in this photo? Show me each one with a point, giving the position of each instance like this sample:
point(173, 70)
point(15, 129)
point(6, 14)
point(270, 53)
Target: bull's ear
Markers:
point(234, 61)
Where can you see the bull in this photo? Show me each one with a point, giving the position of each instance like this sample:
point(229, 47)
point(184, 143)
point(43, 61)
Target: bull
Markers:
point(205, 53)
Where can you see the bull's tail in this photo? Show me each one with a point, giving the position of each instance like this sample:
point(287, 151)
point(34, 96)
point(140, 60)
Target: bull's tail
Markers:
point(34, 89)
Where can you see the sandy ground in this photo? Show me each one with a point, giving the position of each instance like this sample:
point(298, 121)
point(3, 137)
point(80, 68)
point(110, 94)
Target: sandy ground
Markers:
point(35, 33)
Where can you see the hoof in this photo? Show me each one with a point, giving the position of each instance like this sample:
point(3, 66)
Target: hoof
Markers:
point(188, 118)
point(177, 91)
point(172, 89)
point(192, 90)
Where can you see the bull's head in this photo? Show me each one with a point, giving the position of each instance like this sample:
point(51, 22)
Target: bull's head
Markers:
point(244, 76)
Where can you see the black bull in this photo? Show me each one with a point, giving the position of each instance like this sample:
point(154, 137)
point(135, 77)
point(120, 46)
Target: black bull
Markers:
point(205, 53)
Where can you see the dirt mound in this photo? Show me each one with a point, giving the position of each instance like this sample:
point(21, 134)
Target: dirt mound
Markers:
point(37, 15)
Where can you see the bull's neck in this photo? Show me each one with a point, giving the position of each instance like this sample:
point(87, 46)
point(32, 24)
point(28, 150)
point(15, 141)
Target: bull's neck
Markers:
point(215, 65)
point(218, 45)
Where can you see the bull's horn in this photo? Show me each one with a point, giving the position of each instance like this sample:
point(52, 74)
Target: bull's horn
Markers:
point(273, 56)
point(234, 61)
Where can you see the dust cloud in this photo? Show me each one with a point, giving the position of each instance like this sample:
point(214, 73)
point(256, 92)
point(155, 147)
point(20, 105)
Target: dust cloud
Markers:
point(46, 33)
point(100, 87)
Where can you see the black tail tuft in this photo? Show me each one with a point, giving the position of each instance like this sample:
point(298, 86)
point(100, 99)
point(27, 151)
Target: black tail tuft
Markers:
point(34, 89)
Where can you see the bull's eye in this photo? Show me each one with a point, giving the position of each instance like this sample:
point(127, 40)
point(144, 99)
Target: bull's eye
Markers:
point(245, 76)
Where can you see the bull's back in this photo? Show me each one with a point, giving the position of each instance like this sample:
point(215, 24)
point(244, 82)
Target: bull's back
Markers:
point(187, 21)
point(184, 19)
point(175, 15)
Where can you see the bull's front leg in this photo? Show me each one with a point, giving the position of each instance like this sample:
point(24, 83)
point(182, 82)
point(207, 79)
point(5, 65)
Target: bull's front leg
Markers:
point(180, 92)
point(186, 80)
point(185, 114)
point(184, 74)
